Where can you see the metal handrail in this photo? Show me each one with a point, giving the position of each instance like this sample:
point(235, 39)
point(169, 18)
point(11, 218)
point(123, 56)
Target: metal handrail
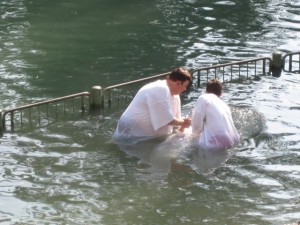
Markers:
point(137, 81)
point(38, 104)
point(239, 63)
point(290, 61)
point(107, 91)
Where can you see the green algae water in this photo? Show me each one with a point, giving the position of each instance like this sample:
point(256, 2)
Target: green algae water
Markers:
point(69, 172)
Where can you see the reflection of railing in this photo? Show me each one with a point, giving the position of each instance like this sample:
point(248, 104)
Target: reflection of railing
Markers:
point(290, 59)
point(234, 71)
point(27, 114)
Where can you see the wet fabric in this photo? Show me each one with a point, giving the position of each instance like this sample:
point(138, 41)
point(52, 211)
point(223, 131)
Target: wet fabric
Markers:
point(212, 123)
point(150, 112)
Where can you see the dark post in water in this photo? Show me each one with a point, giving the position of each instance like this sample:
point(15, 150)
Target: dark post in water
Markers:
point(277, 64)
point(96, 99)
point(1, 124)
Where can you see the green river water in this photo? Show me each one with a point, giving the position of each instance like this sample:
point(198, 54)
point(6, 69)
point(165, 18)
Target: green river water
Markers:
point(68, 172)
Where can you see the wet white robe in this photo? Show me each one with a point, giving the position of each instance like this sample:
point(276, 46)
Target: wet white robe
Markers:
point(212, 123)
point(150, 112)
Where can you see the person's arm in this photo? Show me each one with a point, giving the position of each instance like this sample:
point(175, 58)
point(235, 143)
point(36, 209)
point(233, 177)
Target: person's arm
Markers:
point(198, 116)
point(182, 123)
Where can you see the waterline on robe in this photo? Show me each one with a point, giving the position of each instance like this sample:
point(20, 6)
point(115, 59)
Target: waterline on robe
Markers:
point(162, 154)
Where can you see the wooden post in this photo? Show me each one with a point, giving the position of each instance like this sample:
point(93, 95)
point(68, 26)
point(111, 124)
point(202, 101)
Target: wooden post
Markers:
point(277, 64)
point(96, 98)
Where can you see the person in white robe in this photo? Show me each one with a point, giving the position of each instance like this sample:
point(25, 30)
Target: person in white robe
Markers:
point(212, 122)
point(156, 108)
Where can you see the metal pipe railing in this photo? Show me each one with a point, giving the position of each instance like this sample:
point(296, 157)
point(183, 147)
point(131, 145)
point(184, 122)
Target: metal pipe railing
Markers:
point(98, 96)
point(38, 104)
point(290, 61)
point(108, 90)
point(230, 67)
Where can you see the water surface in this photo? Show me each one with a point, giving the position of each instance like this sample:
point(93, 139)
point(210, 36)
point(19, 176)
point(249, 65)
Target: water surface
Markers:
point(69, 172)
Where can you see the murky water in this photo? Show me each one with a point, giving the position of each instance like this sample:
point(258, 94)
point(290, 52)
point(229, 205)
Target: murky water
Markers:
point(69, 172)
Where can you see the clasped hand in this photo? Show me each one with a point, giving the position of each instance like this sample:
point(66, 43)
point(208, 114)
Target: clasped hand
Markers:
point(186, 124)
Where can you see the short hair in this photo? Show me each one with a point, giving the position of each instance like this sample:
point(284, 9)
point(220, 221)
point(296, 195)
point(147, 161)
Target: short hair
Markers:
point(214, 86)
point(180, 74)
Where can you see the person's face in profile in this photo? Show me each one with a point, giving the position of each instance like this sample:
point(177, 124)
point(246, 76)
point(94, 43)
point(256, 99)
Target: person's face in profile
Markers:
point(180, 87)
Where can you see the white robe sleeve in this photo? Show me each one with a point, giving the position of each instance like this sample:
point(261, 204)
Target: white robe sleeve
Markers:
point(176, 106)
point(160, 109)
point(198, 116)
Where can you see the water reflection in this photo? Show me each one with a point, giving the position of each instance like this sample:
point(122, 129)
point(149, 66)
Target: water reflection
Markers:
point(66, 173)
point(163, 154)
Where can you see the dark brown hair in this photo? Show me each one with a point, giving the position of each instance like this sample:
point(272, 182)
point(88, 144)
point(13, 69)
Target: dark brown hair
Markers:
point(214, 86)
point(180, 74)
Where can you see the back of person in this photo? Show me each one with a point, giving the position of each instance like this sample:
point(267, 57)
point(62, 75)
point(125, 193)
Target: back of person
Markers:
point(219, 130)
point(212, 122)
point(143, 112)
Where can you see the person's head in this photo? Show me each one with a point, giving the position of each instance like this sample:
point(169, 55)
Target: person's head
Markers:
point(214, 86)
point(178, 80)
point(180, 74)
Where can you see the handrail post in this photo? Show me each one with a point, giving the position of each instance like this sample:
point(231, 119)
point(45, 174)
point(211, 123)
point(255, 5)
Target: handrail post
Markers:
point(277, 64)
point(1, 124)
point(96, 98)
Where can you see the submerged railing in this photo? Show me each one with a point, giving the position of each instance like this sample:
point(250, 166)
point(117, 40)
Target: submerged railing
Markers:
point(225, 72)
point(234, 71)
point(289, 61)
point(36, 114)
point(126, 90)
point(40, 112)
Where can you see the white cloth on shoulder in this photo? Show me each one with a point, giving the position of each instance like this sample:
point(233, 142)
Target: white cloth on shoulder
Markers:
point(212, 123)
point(150, 112)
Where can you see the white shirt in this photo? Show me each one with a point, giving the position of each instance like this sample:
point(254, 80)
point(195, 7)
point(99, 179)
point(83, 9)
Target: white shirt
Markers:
point(150, 112)
point(212, 123)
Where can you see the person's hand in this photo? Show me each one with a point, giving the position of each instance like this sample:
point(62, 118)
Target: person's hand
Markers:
point(186, 124)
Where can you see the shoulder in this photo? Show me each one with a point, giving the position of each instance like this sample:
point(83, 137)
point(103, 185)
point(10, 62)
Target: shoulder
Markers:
point(209, 99)
point(153, 88)
point(157, 85)
point(156, 90)
point(205, 97)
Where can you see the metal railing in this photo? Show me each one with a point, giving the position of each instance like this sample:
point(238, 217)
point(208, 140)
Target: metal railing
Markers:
point(127, 90)
point(226, 72)
point(289, 60)
point(124, 92)
point(26, 113)
point(234, 71)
